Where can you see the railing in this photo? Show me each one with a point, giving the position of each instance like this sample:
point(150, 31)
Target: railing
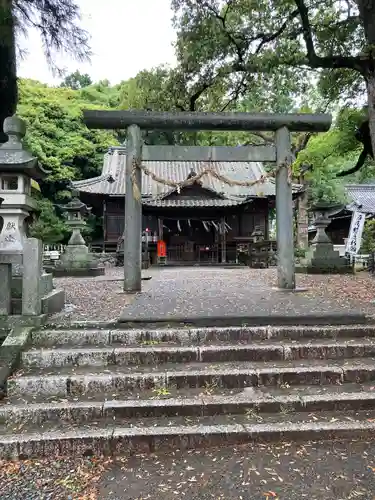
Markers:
point(359, 260)
point(196, 253)
point(208, 254)
point(52, 252)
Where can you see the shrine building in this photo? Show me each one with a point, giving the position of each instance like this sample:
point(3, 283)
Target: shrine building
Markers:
point(202, 223)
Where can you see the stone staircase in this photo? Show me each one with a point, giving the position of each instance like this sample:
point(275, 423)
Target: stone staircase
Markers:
point(121, 391)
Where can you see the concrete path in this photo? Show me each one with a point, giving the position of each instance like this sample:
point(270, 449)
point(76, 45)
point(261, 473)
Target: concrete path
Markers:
point(281, 471)
point(186, 293)
point(284, 471)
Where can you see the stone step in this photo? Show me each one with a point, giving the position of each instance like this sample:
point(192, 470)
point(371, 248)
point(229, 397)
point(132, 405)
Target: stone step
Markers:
point(126, 437)
point(191, 403)
point(107, 336)
point(150, 355)
point(77, 381)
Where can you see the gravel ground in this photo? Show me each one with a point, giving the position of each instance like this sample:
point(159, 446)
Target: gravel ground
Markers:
point(101, 298)
point(57, 479)
point(283, 471)
point(348, 290)
point(89, 299)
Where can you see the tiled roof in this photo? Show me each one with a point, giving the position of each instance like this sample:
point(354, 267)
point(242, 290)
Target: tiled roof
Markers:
point(177, 171)
point(363, 196)
point(192, 202)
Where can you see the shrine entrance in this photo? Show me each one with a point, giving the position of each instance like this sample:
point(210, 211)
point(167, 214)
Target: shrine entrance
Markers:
point(192, 240)
point(136, 152)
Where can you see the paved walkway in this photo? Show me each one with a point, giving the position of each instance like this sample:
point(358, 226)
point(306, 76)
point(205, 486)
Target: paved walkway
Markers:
point(313, 471)
point(280, 471)
point(197, 292)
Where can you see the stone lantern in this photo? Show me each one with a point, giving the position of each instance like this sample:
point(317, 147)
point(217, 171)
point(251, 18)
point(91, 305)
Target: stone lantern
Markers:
point(76, 260)
point(17, 168)
point(321, 257)
point(74, 212)
point(257, 234)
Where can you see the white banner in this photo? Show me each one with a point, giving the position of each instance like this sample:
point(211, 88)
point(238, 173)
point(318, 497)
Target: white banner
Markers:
point(354, 240)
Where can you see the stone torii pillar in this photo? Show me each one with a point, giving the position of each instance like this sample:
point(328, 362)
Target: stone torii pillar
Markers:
point(282, 124)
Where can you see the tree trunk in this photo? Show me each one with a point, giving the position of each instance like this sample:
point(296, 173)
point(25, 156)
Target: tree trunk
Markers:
point(367, 15)
point(8, 78)
point(370, 82)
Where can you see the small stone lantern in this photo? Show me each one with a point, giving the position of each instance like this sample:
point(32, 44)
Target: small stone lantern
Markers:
point(257, 234)
point(74, 212)
point(76, 260)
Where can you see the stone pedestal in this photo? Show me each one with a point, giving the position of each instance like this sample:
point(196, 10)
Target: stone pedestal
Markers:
point(76, 260)
point(321, 257)
point(5, 289)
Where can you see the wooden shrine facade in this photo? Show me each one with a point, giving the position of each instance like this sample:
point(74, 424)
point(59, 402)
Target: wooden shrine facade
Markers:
point(201, 223)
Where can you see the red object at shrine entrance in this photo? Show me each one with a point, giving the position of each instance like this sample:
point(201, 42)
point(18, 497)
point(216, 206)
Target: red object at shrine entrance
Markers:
point(161, 249)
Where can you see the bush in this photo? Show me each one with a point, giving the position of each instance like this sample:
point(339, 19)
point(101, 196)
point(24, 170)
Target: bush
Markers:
point(47, 226)
point(368, 238)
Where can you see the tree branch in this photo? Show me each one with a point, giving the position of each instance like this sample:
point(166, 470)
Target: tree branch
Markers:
point(327, 62)
point(271, 37)
point(223, 19)
point(267, 139)
point(194, 98)
point(241, 87)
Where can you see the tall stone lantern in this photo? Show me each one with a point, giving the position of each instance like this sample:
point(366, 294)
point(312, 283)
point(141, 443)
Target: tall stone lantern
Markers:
point(17, 168)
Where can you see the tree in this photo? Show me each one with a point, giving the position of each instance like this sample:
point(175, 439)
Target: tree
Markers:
point(166, 89)
point(56, 133)
point(77, 81)
point(47, 226)
point(58, 24)
point(331, 153)
point(267, 42)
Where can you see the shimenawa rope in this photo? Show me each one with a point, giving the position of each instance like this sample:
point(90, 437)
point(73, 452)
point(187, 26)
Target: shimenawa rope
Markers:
point(196, 178)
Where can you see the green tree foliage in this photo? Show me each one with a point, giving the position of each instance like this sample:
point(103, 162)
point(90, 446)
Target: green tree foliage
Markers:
point(368, 238)
point(77, 81)
point(58, 24)
point(266, 43)
point(331, 153)
point(47, 226)
point(55, 130)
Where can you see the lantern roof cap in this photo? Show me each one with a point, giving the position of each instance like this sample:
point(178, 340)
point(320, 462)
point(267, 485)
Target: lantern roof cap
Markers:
point(14, 158)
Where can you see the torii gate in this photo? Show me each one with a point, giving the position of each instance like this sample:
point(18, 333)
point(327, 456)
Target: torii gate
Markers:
point(280, 153)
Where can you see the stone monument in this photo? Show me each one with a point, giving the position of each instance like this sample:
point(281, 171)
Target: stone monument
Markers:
point(321, 257)
point(76, 260)
point(17, 168)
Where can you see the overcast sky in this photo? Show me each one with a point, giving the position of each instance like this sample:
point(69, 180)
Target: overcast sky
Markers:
point(126, 37)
